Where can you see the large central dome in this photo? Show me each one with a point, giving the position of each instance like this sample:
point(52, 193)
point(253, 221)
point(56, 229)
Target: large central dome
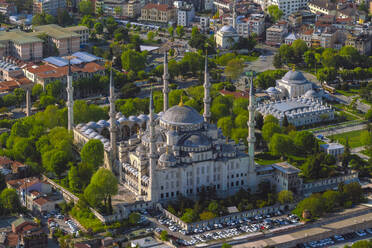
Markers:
point(181, 115)
point(295, 77)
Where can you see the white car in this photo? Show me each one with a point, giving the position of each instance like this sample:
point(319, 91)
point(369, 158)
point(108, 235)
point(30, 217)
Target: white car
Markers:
point(361, 233)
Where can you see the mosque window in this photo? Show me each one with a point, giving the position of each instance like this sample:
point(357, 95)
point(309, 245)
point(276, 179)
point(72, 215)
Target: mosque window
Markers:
point(232, 184)
point(161, 187)
point(167, 195)
point(237, 183)
point(242, 182)
point(161, 196)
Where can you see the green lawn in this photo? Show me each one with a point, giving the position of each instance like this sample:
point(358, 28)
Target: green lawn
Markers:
point(353, 137)
point(350, 92)
point(266, 159)
point(248, 58)
point(366, 152)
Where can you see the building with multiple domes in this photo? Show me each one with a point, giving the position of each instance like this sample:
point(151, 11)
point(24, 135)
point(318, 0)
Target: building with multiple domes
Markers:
point(227, 36)
point(294, 98)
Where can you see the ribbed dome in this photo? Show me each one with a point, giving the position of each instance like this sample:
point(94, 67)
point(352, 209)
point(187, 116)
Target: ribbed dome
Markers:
point(182, 115)
point(294, 77)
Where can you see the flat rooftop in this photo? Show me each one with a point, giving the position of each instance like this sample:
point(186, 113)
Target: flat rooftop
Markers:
point(286, 168)
point(19, 37)
point(54, 31)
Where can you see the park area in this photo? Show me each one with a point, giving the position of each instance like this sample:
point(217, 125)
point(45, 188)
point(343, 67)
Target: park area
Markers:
point(353, 137)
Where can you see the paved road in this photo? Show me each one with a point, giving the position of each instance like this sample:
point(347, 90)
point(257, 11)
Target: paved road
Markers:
point(358, 150)
point(342, 130)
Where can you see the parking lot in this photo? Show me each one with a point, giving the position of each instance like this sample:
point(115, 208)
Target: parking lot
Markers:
point(339, 240)
point(54, 220)
point(230, 229)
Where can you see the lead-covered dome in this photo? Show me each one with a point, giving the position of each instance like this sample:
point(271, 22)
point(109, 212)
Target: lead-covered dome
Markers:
point(294, 77)
point(227, 29)
point(181, 115)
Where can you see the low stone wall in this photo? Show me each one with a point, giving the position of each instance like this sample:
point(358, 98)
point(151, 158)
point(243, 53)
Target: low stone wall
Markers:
point(67, 195)
point(328, 183)
point(230, 217)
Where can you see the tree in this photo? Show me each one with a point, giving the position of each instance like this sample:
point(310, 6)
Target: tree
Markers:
point(92, 153)
point(133, 60)
point(118, 11)
point(269, 129)
point(64, 18)
point(20, 94)
point(86, 7)
point(134, 218)
point(150, 36)
point(362, 244)
point(58, 162)
point(207, 215)
point(285, 196)
point(171, 31)
point(281, 144)
point(180, 31)
point(299, 48)
point(104, 184)
point(332, 200)
point(234, 68)
point(271, 118)
point(326, 74)
point(98, 27)
point(164, 235)
point(314, 204)
point(226, 124)
point(286, 53)
point(304, 141)
point(309, 59)
point(277, 61)
point(37, 90)
point(189, 216)
point(353, 192)
point(368, 115)
point(74, 179)
point(275, 13)
point(10, 200)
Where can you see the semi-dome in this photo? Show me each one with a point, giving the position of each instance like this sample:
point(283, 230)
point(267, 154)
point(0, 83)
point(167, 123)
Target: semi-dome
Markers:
point(181, 114)
point(311, 94)
point(295, 77)
point(272, 90)
point(167, 157)
point(196, 140)
point(227, 29)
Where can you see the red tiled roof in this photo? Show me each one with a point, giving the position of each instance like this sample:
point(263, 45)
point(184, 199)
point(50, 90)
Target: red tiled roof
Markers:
point(12, 239)
point(5, 160)
point(41, 201)
point(160, 7)
point(49, 71)
point(23, 183)
point(235, 94)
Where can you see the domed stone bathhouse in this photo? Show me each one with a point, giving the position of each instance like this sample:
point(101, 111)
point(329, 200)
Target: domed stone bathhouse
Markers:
point(178, 151)
point(293, 84)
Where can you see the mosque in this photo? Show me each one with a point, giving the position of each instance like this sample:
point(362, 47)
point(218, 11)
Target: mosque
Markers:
point(227, 36)
point(294, 97)
point(178, 151)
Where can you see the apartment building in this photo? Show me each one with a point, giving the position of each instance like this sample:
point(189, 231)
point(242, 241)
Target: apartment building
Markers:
point(21, 45)
point(361, 42)
point(48, 6)
point(153, 12)
point(289, 6)
point(7, 8)
point(185, 13)
point(276, 33)
point(132, 9)
point(66, 41)
point(246, 26)
point(44, 74)
point(83, 31)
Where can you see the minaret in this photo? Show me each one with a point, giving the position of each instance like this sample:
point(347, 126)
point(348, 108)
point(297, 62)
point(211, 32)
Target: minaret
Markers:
point(251, 124)
point(112, 119)
point(234, 15)
point(152, 153)
point(207, 97)
point(28, 103)
point(166, 82)
point(70, 99)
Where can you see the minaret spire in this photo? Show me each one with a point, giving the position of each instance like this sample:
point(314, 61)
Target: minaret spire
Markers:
point(166, 82)
point(234, 15)
point(113, 128)
point(70, 99)
point(251, 124)
point(207, 97)
point(28, 103)
point(152, 152)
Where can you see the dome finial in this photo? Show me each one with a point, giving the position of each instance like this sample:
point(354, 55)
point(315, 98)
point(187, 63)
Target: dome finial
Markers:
point(293, 67)
point(167, 149)
point(181, 101)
